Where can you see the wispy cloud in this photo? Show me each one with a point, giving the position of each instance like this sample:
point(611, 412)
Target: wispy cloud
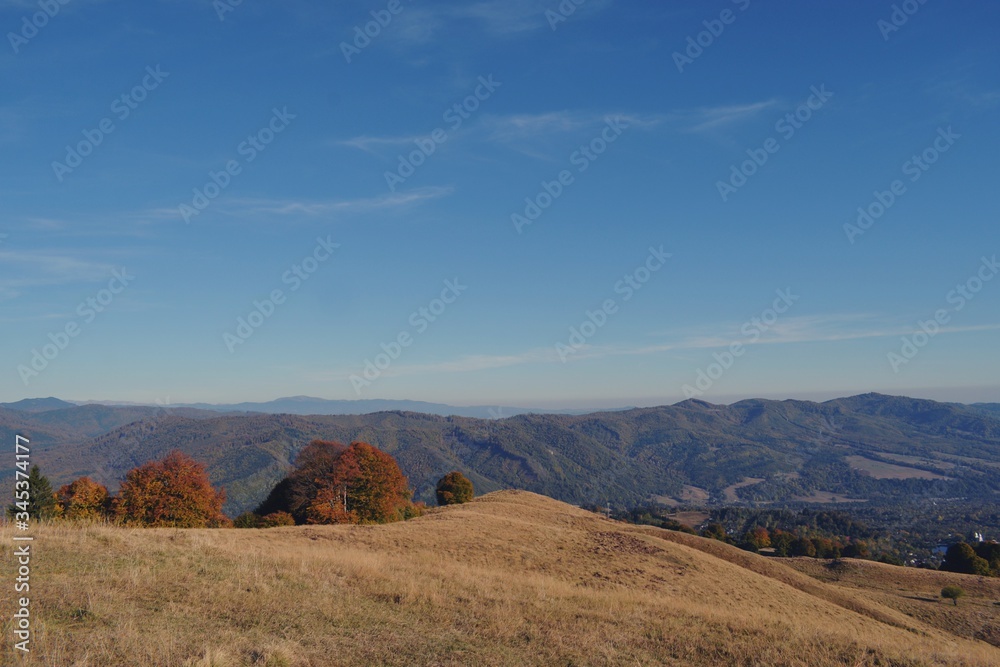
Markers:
point(371, 144)
point(41, 268)
point(524, 132)
point(327, 207)
point(508, 17)
point(526, 126)
point(714, 118)
point(789, 330)
point(246, 207)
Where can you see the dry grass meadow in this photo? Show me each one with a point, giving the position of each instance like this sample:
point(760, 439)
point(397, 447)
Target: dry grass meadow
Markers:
point(510, 579)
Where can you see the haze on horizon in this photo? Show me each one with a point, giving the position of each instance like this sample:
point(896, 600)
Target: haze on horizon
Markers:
point(499, 203)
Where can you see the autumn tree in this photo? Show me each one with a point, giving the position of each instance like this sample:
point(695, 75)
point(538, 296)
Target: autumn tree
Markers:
point(335, 483)
point(366, 486)
point(757, 538)
point(802, 546)
point(34, 497)
point(857, 549)
point(173, 492)
point(782, 542)
point(454, 489)
point(83, 499)
point(314, 468)
point(827, 548)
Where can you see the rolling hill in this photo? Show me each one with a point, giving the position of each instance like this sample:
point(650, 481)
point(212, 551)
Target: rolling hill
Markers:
point(38, 404)
point(861, 448)
point(511, 578)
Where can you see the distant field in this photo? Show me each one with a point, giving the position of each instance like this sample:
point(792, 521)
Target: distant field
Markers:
point(827, 497)
point(510, 579)
point(919, 460)
point(967, 459)
point(689, 495)
point(730, 491)
point(690, 519)
point(881, 470)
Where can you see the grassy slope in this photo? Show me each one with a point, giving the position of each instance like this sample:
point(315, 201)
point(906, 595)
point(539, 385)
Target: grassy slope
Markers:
point(510, 579)
point(916, 593)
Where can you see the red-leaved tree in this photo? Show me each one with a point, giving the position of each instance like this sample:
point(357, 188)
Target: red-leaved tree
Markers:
point(172, 492)
point(364, 486)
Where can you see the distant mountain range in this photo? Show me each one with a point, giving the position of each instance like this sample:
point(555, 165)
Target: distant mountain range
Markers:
point(870, 447)
point(308, 405)
point(993, 408)
point(38, 405)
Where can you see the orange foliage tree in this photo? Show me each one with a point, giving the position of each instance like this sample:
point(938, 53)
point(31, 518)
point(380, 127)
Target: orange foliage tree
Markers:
point(172, 492)
point(316, 470)
point(355, 484)
point(83, 499)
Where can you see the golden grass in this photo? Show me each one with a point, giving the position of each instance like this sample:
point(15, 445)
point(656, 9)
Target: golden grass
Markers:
point(510, 579)
point(916, 593)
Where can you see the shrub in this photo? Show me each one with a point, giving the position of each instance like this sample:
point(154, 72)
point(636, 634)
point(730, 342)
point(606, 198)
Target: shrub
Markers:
point(952, 593)
point(173, 492)
point(413, 510)
point(276, 519)
point(246, 520)
point(454, 489)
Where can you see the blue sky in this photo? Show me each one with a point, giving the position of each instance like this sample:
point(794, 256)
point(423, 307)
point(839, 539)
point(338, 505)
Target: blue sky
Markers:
point(691, 199)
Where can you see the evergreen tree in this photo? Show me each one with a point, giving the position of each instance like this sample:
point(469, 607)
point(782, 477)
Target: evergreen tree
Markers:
point(40, 502)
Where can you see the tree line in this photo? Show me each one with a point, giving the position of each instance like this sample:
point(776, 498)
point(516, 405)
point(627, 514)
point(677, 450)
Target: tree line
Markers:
point(330, 483)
